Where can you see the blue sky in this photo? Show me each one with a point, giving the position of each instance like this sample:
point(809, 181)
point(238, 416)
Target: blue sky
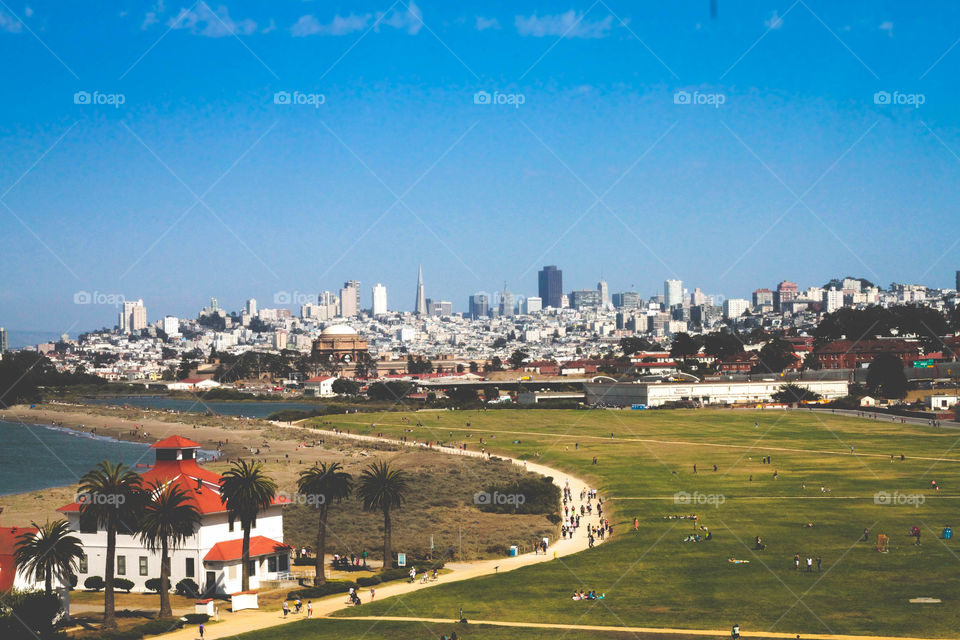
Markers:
point(151, 151)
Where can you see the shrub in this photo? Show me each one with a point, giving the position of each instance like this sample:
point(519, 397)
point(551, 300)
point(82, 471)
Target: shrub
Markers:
point(196, 618)
point(73, 581)
point(93, 582)
point(301, 562)
point(188, 588)
point(28, 614)
point(326, 589)
point(153, 584)
point(123, 583)
point(540, 496)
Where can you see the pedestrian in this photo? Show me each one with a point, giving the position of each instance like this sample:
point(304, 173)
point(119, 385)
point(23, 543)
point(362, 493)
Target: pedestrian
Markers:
point(866, 534)
point(818, 564)
point(636, 523)
point(286, 609)
point(309, 609)
point(694, 468)
point(809, 565)
point(735, 632)
point(200, 628)
point(796, 561)
point(714, 467)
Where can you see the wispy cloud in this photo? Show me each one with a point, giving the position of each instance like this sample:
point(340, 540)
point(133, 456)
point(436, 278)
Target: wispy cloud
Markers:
point(571, 24)
point(308, 25)
point(774, 21)
point(409, 20)
point(887, 26)
point(203, 21)
point(9, 24)
point(487, 23)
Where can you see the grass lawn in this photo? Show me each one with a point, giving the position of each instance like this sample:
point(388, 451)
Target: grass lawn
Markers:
point(325, 629)
point(652, 578)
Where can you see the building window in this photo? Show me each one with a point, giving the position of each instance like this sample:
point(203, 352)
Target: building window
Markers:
point(189, 567)
point(143, 565)
point(121, 565)
point(82, 564)
point(272, 564)
point(284, 563)
point(252, 568)
point(88, 523)
point(231, 525)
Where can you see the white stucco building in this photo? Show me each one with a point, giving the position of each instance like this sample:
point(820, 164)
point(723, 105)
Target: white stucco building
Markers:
point(211, 556)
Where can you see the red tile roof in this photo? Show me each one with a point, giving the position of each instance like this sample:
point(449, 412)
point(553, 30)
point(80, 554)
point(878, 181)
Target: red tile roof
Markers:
point(175, 442)
point(233, 549)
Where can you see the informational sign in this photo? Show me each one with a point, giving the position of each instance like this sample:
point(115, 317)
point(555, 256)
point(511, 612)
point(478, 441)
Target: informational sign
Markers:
point(401, 559)
point(923, 364)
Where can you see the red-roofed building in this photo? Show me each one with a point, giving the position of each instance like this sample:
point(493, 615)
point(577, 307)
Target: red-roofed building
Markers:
point(846, 354)
point(9, 578)
point(176, 462)
point(319, 386)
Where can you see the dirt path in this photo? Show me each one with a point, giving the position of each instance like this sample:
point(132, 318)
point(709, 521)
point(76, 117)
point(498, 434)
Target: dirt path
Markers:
point(234, 623)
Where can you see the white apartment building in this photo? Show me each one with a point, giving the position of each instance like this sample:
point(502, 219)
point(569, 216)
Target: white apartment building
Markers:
point(379, 302)
point(735, 307)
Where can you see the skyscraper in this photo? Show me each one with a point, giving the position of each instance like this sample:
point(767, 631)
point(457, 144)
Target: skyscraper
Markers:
point(506, 302)
point(479, 305)
point(133, 317)
point(604, 294)
point(672, 292)
point(252, 307)
point(958, 281)
point(551, 286)
point(786, 292)
point(350, 299)
point(4, 340)
point(379, 305)
point(421, 304)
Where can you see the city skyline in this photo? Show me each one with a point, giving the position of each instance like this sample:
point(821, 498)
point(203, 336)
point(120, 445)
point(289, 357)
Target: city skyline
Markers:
point(703, 148)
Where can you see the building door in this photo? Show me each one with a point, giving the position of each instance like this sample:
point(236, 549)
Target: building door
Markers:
point(211, 585)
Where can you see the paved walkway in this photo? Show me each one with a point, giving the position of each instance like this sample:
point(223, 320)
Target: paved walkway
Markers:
point(232, 624)
point(685, 632)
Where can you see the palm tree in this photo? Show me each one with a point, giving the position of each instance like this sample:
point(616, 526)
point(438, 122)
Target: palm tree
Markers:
point(168, 519)
point(110, 494)
point(246, 491)
point(322, 484)
point(48, 553)
point(382, 488)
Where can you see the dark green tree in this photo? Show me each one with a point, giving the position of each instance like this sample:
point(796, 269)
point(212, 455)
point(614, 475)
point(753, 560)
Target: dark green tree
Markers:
point(885, 377)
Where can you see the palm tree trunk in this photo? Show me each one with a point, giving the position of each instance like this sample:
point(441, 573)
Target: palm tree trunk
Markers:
point(109, 619)
point(387, 555)
point(319, 577)
point(48, 582)
point(245, 559)
point(165, 609)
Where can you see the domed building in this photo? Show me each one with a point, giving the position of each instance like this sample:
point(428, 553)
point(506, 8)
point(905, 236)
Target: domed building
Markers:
point(341, 345)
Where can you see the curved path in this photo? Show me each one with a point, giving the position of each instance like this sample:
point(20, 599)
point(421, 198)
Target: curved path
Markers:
point(232, 624)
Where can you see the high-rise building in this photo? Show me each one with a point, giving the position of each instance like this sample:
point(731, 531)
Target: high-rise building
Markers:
point(786, 292)
point(585, 299)
point(251, 307)
point(213, 304)
point(533, 304)
point(171, 326)
point(379, 302)
point(958, 281)
point(832, 299)
point(672, 292)
point(550, 286)
point(762, 297)
point(734, 307)
point(4, 340)
point(627, 300)
point(699, 298)
point(134, 316)
point(350, 299)
point(506, 302)
point(604, 294)
point(479, 305)
point(441, 308)
point(421, 303)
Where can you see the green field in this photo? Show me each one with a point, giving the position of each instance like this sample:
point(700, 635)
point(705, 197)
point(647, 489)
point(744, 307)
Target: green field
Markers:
point(651, 578)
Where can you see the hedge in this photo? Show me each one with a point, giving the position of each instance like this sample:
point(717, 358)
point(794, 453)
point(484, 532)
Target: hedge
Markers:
point(188, 588)
point(153, 584)
point(93, 582)
point(196, 618)
point(123, 584)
